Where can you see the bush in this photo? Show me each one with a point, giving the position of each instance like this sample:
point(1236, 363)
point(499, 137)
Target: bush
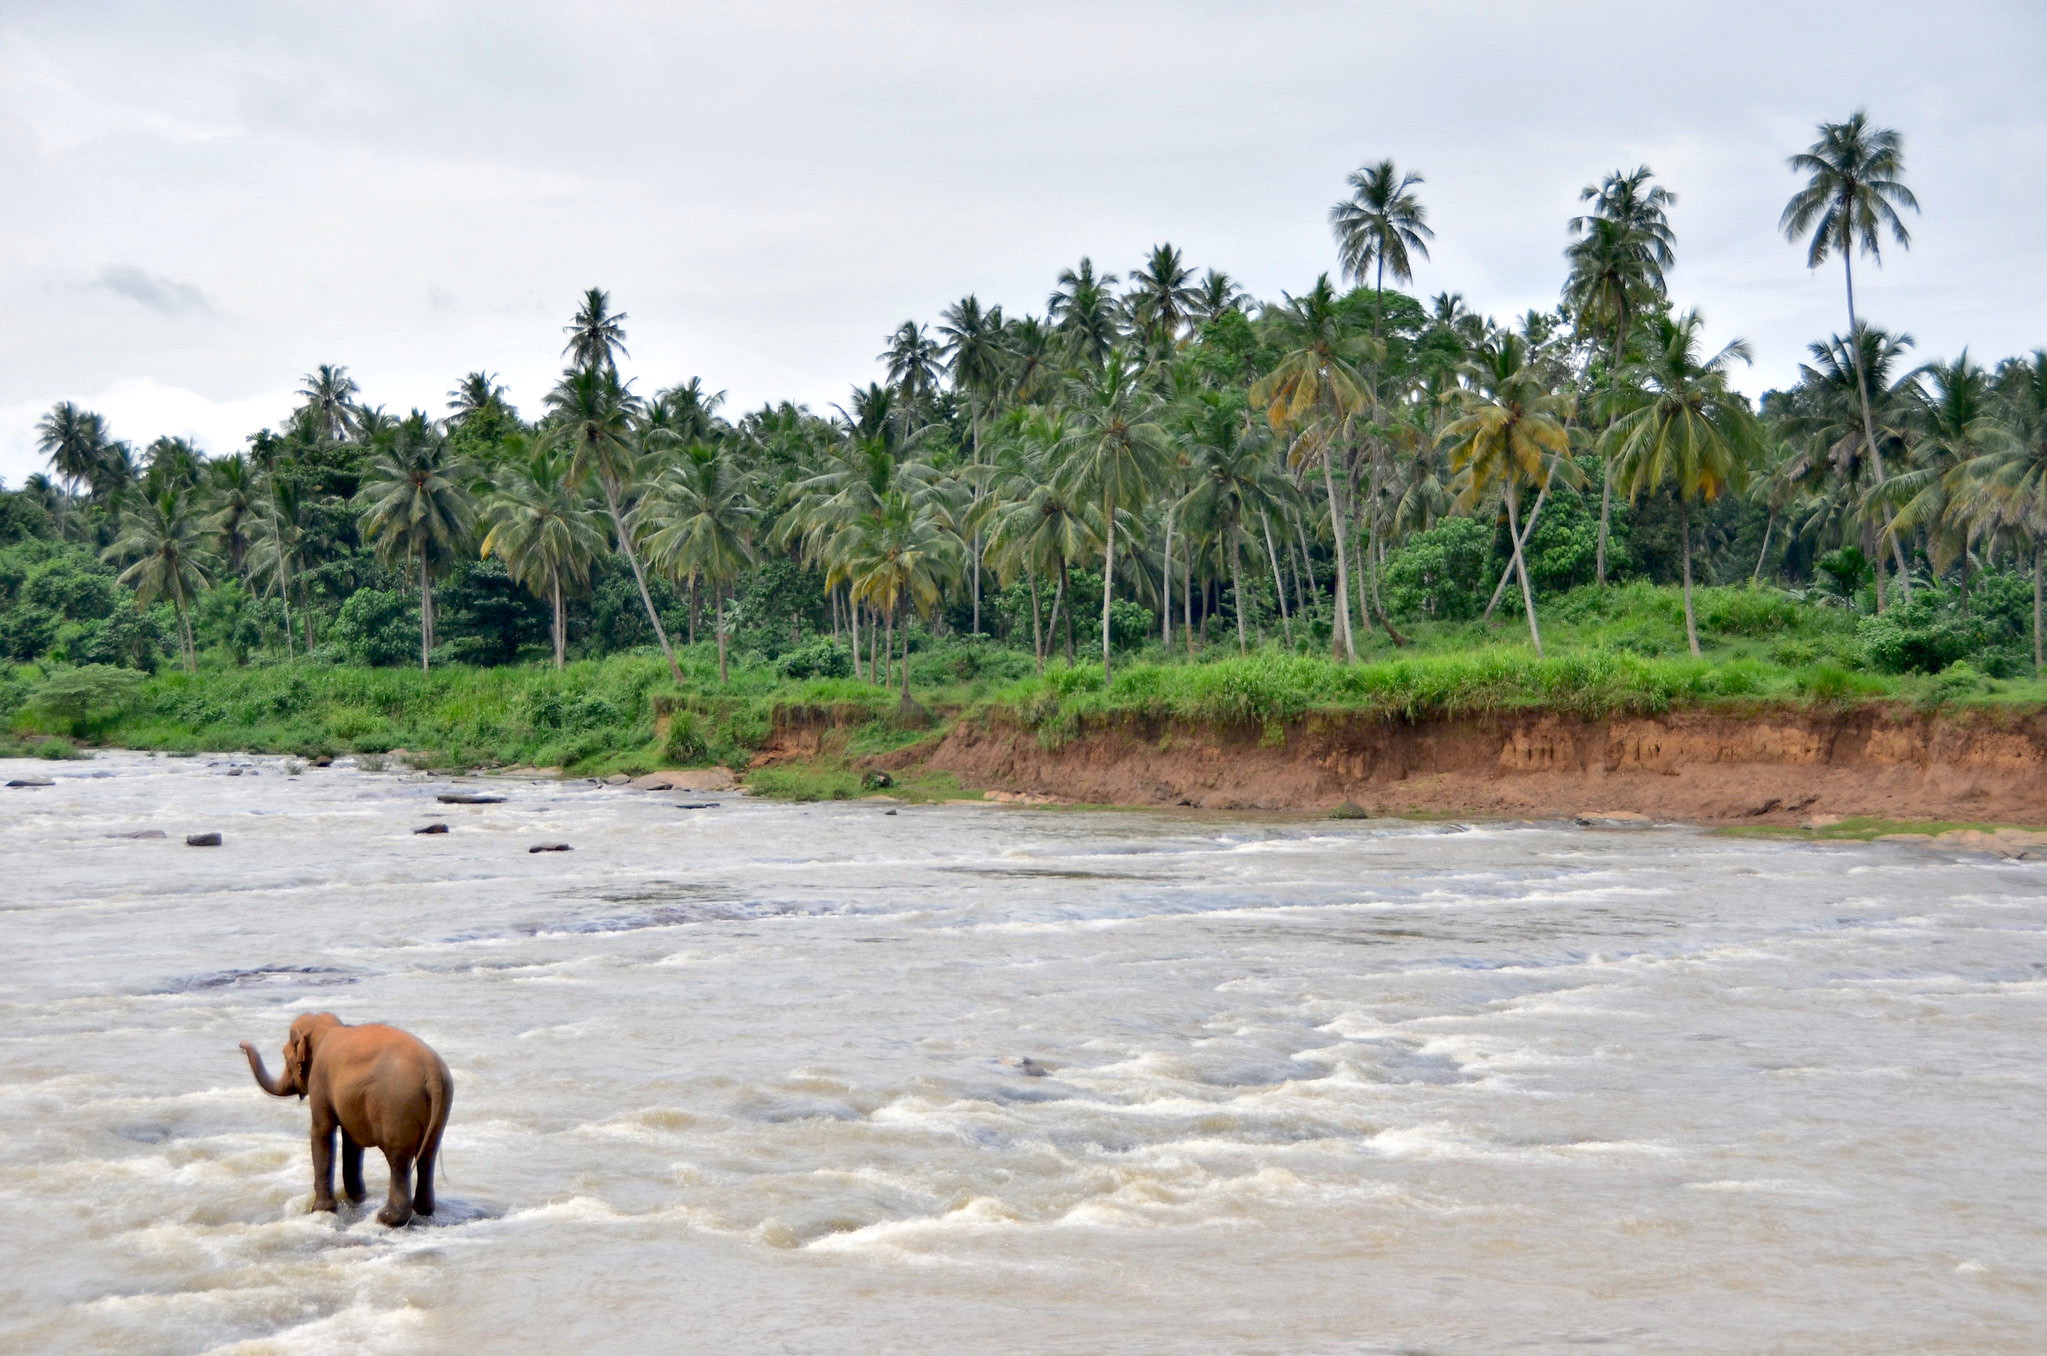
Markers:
point(1443, 574)
point(87, 696)
point(685, 744)
point(1921, 636)
point(378, 627)
point(820, 658)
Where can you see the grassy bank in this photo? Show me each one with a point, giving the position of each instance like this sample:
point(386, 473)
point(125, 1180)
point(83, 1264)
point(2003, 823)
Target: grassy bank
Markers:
point(1620, 653)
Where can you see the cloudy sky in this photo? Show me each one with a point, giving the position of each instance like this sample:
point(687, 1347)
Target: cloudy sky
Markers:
point(205, 200)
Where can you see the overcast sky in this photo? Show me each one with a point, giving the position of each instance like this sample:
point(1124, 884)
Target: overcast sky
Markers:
point(205, 200)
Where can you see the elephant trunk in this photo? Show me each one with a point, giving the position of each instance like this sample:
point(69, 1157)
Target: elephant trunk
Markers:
point(275, 1087)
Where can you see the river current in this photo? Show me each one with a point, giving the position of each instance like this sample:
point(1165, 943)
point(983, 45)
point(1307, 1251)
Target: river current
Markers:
point(774, 1078)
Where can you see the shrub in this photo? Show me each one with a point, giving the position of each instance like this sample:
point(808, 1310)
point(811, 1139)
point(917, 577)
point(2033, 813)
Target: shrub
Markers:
point(1921, 636)
point(684, 743)
point(1442, 574)
point(377, 627)
point(819, 658)
point(87, 696)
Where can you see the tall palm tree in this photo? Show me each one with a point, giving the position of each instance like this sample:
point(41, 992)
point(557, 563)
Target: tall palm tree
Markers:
point(543, 526)
point(898, 553)
point(1216, 295)
point(697, 521)
point(1511, 434)
point(1852, 194)
point(913, 362)
point(976, 359)
point(1235, 486)
point(1955, 422)
point(1117, 453)
point(1315, 390)
point(165, 542)
point(1380, 227)
point(1617, 268)
point(172, 461)
point(591, 413)
point(1687, 428)
point(477, 394)
point(73, 440)
point(596, 335)
point(330, 397)
point(232, 491)
point(416, 507)
point(1083, 309)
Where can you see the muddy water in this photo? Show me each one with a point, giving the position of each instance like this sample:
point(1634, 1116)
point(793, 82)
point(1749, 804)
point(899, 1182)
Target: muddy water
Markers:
point(734, 1079)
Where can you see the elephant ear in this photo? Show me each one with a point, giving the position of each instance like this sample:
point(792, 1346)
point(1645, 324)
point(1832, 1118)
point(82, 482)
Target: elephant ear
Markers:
point(298, 1059)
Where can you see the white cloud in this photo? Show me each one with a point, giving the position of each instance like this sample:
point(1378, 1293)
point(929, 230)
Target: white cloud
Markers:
point(139, 409)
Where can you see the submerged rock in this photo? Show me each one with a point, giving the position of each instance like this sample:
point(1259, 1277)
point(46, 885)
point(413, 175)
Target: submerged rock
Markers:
point(550, 847)
point(31, 781)
point(1025, 1065)
point(1612, 819)
point(139, 833)
point(432, 828)
point(202, 840)
point(468, 798)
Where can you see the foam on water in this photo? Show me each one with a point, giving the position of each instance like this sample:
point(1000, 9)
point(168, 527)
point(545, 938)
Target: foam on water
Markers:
point(789, 1078)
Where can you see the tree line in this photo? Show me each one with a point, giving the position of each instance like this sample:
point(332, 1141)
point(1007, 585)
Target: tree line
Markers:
point(1157, 458)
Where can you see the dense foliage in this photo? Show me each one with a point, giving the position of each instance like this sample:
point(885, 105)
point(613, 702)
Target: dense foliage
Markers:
point(1158, 465)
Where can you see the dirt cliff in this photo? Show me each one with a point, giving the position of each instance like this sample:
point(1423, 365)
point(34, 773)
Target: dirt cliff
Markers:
point(1762, 765)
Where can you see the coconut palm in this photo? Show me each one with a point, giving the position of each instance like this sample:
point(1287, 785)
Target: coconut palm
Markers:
point(1038, 528)
point(477, 395)
point(1687, 428)
point(165, 542)
point(73, 440)
point(1955, 422)
point(596, 335)
point(1381, 226)
point(1617, 268)
point(899, 553)
point(1216, 295)
point(171, 461)
point(591, 415)
point(416, 507)
point(232, 491)
point(687, 413)
point(1852, 195)
point(1082, 308)
point(1235, 486)
point(1511, 434)
point(697, 522)
point(1116, 453)
point(913, 362)
point(976, 360)
point(1161, 299)
point(329, 401)
point(2006, 486)
point(276, 543)
point(545, 529)
point(1314, 392)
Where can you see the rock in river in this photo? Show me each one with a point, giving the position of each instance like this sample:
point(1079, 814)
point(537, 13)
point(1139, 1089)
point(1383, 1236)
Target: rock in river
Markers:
point(31, 781)
point(468, 798)
point(550, 847)
point(202, 840)
point(432, 828)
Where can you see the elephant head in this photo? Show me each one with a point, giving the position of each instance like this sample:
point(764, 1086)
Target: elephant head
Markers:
point(298, 1055)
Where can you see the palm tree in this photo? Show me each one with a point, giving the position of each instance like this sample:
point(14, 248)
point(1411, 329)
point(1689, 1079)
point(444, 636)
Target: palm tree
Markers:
point(1380, 226)
point(1116, 453)
point(1854, 191)
point(2006, 486)
point(1216, 295)
point(1955, 423)
point(1235, 485)
point(74, 441)
point(172, 461)
point(912, 359)
point(416, 507)
point(976, 358)
point(475, 395)
point(1511, 434)
point(1687, 428)
point(592, 418)
point(232, 491)
point(596, 336)
point(1315, 390)
point(1162, 299)
point(1039, 529)
point(329, 400)
point(697, 522)
point(1617, 271)
point(166, 543)
point(898, 553)
point(1083, 309)
point(545, 529)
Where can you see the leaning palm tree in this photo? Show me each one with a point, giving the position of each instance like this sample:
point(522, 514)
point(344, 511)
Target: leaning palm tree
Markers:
point(1688, 428)
point(1617, 268)
point(596, 335)
point(696, 521)
point(165, 541)
point(543, 526)
point(1512, 435)
point(1117, 453)
point(416, 507)
point(1854, 190)
point(1380, 227)
point(1314, 391)
point(592, 415)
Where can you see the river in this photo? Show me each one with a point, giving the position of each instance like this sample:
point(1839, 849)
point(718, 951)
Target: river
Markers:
point(750, 1078)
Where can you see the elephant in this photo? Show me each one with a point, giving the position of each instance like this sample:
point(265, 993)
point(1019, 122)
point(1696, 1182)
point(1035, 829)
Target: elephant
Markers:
point(383, 1089)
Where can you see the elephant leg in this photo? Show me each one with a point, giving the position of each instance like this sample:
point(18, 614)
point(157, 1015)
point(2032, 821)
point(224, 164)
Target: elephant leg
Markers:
point(423, 1186)
point(398, 1209)
point(351, 1169)
point(323, 1163)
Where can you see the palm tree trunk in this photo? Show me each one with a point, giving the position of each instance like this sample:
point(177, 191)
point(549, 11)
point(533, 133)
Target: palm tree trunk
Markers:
point(1613, 383)
point(1108, 580)
point(1374, 556)
point(1237, 587)
point(2039, 659)
point(1769, 525)
point(1186, 598)
point(1876, 455)
point(888, 647)
point(284, 597)
point(1520, 566)
point(561, 638)
point(1059, 598)
point(906, 654)
point(1166, 588)
point(625, 544)
point(1278, 585)
point(1684, 540)
point(1342, 644)
point(1534, 516)
point(1037, 627)
point(718, 623)
point(426, 612)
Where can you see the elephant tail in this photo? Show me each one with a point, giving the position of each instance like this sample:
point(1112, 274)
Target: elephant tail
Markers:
point(440, 1094)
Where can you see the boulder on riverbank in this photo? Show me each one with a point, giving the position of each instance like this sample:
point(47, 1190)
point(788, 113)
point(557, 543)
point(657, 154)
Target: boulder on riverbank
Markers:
point(686, 779)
